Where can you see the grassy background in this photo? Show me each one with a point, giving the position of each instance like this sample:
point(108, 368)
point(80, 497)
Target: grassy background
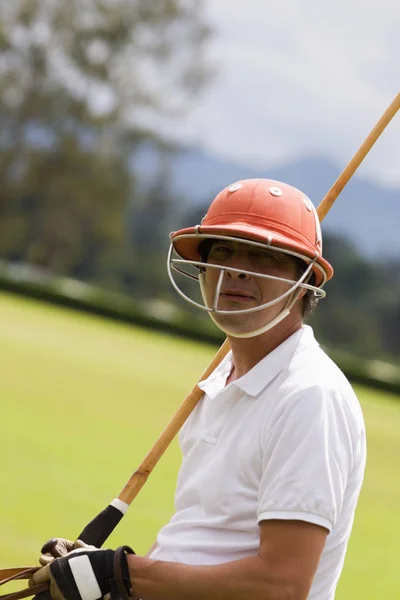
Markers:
point(82, 401)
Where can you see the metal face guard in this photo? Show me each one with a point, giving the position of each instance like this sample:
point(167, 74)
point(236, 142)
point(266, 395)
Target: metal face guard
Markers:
point(182, 266)
point(178, 265)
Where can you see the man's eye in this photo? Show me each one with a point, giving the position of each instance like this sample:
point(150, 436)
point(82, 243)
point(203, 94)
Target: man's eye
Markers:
point(220, 252)
point(267, 258)
point(262, 256)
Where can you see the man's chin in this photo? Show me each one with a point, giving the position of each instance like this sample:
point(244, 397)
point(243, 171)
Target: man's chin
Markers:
point(233, 324)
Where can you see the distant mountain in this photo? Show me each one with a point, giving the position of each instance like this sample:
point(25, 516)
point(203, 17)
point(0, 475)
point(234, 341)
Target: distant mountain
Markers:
point(366, 213)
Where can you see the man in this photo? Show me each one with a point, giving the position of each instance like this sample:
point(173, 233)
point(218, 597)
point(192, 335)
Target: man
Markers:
point(274, 454)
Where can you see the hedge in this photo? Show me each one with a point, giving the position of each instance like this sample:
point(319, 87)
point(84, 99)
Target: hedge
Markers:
point(27, 281)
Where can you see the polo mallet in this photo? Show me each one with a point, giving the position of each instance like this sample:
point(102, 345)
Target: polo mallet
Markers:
point(101, 527)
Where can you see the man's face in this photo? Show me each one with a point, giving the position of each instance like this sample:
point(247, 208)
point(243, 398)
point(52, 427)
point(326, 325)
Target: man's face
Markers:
point(240, 290)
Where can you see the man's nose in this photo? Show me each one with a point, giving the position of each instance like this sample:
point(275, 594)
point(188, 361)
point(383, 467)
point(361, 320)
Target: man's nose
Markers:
point(237, 262)
point(236, 275)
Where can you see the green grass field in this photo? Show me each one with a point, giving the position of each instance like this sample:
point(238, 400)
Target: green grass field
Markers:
point(83, 400)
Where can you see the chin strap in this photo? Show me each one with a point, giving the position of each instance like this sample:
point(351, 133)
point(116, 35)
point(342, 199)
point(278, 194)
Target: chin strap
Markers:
point(249, 334)
point(266, 327)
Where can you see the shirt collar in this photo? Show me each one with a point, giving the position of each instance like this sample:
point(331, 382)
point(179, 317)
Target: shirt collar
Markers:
point(263, 372)
point(217, 380)
point(271, 365)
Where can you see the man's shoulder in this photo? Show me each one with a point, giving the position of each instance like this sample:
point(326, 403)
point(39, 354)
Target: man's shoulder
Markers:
point(314, 379)
point(311, 365)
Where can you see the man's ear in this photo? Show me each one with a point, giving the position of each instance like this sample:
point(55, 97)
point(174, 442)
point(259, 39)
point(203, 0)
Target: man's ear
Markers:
point(302, 293)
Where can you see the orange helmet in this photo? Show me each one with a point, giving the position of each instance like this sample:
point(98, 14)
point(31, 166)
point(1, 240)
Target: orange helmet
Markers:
point(265, 211)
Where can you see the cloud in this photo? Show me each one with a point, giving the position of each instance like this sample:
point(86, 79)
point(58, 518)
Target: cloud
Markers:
point(301, 78)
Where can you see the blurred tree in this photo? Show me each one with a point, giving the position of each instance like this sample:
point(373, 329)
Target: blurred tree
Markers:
point(359, 312)
point(83, 85)
point(386, 308)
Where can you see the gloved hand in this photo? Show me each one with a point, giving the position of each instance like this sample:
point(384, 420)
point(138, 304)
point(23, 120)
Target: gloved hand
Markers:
point(58, 547)
point(87, 573)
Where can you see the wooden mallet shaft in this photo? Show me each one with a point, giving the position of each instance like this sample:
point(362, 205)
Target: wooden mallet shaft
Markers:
point(348, 172)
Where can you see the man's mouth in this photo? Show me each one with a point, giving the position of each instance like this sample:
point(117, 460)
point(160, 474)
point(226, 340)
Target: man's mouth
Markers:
point(237, 295)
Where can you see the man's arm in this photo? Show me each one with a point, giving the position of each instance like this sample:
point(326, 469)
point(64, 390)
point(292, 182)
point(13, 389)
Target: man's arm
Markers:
point(283, 569)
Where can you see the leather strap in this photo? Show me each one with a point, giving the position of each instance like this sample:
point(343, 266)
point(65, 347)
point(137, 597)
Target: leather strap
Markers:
point(16, 573)
point(26, 593)
point(119, 557)
point(7, 575)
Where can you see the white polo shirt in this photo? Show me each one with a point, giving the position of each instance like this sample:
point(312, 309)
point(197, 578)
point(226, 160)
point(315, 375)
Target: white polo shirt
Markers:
point(285, 441)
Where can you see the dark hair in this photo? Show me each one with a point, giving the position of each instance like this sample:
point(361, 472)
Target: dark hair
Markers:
point(310, 300)
point(204, 248)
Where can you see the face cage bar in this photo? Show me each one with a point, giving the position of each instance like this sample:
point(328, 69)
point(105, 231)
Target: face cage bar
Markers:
point(268, 244)
point(171, 265)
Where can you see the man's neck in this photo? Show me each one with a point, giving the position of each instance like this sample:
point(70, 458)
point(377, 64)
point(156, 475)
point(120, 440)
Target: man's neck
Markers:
point(247, 352)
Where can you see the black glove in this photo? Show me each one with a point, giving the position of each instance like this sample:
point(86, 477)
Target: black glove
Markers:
point(88, 575)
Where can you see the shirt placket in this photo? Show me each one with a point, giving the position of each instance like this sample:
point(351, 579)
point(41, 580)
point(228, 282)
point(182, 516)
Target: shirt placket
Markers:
point(219, 413)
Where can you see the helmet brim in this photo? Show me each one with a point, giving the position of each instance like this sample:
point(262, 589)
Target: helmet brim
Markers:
point(186, 243)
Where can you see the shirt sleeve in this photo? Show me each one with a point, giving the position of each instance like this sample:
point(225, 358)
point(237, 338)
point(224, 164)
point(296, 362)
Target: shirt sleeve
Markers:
point(307, 459)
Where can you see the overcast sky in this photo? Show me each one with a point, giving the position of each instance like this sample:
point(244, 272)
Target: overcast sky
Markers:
point(297, 77)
